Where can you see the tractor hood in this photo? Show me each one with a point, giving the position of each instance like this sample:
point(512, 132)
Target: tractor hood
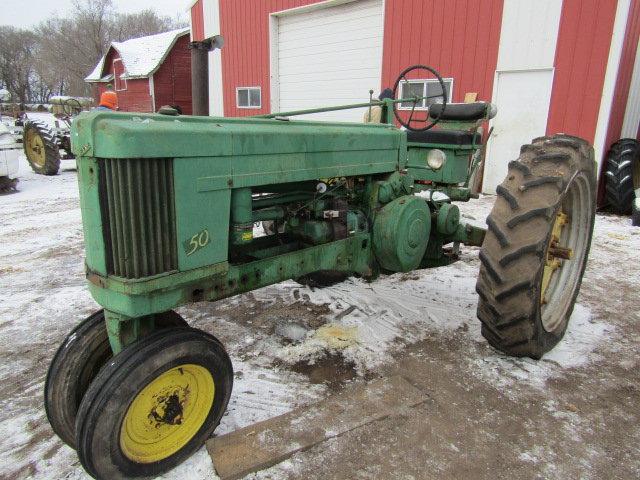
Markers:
point(103, 134)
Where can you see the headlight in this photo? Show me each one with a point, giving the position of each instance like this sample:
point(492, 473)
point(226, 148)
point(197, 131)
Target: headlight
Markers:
point(435, 159)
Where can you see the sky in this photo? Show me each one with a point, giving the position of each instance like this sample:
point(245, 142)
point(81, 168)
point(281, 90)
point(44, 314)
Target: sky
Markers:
point(28, 13)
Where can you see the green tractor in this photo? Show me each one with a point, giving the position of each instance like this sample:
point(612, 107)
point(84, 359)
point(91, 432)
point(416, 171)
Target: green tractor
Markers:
point(46, 145)
point(168, 211)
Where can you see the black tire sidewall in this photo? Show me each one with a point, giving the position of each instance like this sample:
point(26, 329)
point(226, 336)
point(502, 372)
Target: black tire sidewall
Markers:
point(617, 193)
point(103, 410)
point(76, 362)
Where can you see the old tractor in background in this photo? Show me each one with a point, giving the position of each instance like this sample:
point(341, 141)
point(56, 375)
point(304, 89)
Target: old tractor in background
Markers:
point(46, 144)
point(168, 210)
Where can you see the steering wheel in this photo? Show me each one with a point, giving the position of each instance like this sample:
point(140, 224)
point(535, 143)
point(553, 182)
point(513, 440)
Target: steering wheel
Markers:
point(71, 105)
point(443, 94)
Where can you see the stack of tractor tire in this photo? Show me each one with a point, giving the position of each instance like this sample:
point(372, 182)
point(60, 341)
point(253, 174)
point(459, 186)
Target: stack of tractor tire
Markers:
point(622, 178)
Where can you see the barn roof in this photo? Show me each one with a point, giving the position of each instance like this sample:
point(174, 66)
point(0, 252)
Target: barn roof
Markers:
point(141, 57)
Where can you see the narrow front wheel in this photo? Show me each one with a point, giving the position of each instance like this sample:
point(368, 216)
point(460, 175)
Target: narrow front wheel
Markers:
point(76, 363)
point(153, 404)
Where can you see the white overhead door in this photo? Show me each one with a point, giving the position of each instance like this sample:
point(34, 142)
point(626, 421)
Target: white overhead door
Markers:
point(327, 56)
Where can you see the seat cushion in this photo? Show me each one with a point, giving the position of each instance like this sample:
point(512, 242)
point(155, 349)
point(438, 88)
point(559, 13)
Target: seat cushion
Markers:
point(444, 137)
point(461, 112)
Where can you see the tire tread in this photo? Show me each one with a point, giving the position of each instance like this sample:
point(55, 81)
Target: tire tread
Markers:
point(618, 175)
point(511, 256)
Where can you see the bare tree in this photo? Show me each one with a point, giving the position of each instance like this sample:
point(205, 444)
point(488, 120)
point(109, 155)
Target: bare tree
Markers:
point(73, 46)
point(16, 62)
point(61, 52)
point(140, 24)
point(70, 47)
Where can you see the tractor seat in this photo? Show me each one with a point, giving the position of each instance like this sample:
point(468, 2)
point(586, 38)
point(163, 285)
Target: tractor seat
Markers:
point(463, 112)
point(445, 137)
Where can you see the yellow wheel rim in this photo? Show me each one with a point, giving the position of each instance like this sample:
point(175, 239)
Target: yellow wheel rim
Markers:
point(35, 146)
point(555, 254)
point(167, 413)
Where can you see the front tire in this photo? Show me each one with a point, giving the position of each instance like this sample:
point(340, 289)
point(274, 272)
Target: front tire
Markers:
point(74, 366)
point(153, 404)
point(544, 213)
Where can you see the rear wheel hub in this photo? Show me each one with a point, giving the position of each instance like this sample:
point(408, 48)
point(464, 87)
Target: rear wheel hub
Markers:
point(555, 254)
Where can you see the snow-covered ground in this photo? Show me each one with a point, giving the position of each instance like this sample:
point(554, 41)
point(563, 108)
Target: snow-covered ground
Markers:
point(274, 335)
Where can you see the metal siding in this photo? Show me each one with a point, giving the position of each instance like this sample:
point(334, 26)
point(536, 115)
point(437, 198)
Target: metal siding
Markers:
point(632, 112)
point(197, 21)
point(172, 81)
point(211, 12)
point(581, 59)
point(458, 38)
point(438, 33)
point(528, 34)
point(136, 97)
point(523, 82)
point(245, 56)
point(625, 73)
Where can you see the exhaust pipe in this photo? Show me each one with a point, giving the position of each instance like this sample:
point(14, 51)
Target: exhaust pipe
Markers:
point(200, 72)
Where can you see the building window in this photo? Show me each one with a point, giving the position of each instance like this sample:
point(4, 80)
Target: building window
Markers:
point(248, 97)
point(423, 89)
point(120, 83)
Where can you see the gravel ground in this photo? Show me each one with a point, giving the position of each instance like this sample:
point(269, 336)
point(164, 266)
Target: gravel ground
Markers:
point(573, 414)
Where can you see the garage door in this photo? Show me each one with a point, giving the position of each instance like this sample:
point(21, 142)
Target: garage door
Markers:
point(328, 56)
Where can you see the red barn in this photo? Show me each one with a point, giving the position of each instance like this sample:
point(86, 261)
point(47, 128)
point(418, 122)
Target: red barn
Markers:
point(570, 66)
point(147, 72)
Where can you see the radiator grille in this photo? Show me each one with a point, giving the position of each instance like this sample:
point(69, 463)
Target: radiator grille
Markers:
point(137, 202)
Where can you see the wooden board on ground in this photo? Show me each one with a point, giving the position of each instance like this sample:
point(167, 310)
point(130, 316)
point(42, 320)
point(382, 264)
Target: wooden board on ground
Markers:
point(267, 443)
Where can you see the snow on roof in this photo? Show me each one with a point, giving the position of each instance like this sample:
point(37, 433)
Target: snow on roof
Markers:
point(95, 74)
point(140, 56)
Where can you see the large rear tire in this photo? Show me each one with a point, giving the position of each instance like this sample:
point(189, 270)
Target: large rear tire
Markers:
point(622, 175)
point(153, 404)
point(544, 213)
point(41, 148)
point(76, 363)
